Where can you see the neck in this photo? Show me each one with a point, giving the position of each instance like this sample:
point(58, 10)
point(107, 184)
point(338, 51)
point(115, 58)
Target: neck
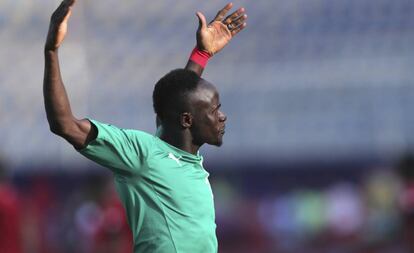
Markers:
point(181, 139)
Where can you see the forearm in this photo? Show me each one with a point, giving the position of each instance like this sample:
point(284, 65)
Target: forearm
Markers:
point(59, 114)
point(197, 61)
point(198, 69)
point(56, 101)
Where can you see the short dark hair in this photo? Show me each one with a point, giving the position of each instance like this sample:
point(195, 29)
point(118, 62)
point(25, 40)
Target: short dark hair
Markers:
point(172, 90)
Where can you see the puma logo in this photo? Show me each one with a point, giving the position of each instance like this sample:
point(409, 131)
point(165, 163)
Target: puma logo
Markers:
point(172, 156)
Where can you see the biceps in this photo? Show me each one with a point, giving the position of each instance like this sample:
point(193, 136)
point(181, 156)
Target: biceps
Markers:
point(79, 133)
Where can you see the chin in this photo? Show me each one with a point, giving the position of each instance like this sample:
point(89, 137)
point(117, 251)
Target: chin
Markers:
point(218, 143)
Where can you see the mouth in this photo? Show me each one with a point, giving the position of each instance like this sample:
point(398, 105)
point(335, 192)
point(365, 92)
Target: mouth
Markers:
point(223, 130)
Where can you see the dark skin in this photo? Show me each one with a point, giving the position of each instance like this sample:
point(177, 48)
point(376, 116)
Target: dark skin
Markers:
point(211, 38)
point(214, 36)
point(204, 122)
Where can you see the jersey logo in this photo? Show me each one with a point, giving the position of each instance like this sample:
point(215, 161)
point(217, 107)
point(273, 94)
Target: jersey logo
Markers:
point(171, 156)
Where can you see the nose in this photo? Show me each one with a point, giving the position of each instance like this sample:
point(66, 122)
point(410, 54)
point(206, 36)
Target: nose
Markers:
point(222, 116)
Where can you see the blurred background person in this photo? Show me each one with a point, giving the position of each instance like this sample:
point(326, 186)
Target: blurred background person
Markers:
point(10, 214)
point(405, 168)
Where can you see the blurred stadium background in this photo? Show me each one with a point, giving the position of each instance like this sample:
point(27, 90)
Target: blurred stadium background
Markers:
point(318, 96)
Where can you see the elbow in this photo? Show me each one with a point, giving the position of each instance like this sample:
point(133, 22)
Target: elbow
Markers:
point(71, 130)
point(56, 128)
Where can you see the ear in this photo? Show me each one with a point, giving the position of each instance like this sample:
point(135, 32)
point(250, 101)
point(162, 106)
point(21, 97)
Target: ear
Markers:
point(186, 120)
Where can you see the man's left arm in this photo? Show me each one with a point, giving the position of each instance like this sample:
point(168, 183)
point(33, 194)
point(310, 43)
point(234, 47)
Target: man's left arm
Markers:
point(213, 37)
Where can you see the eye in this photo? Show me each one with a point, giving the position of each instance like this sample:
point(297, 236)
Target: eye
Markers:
point(215, 110)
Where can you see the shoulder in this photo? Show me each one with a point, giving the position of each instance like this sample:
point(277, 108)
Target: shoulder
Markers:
point(105, 129)
point(123, 137)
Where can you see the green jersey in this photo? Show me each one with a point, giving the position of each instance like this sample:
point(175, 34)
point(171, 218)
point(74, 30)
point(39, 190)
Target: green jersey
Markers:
point(165, 190)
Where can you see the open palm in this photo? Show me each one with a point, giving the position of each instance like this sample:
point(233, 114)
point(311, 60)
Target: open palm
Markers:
point(216, 35)
point(59, 25)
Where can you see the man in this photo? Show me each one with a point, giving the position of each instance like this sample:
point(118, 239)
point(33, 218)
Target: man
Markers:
point(160, 179)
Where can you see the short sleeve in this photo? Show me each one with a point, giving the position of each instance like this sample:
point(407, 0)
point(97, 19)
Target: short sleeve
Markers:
point(124, 151)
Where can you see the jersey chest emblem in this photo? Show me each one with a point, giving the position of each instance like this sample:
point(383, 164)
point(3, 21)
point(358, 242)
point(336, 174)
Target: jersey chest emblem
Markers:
point(176, 159)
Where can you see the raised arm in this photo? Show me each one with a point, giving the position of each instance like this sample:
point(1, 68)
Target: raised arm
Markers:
point(213, 37)
point(59, 114)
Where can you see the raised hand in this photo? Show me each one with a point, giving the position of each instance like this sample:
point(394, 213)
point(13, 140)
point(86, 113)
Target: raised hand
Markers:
point(218, 33)
point(59, 25)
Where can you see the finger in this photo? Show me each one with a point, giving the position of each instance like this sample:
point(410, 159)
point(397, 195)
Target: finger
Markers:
point(240, 20)
point(65, 19)
point(61, 13)
point(220, 15)
point(238, 29)
point(64, 6)
point(202, 23)
point(235, 15)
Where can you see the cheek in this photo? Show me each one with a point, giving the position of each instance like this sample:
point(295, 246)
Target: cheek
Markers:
point(213, 122)
point(202, 128)
point(206, 126)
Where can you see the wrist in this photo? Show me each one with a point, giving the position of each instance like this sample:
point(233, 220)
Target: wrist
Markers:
point(49, 50)
point(200, 57)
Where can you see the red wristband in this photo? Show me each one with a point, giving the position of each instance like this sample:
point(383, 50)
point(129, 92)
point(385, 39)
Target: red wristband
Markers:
point(200, 57)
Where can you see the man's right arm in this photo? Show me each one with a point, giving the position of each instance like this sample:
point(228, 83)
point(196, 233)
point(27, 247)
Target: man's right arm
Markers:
point(59, 114)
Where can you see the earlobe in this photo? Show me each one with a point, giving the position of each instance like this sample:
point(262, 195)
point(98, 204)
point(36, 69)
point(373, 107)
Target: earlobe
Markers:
point(186, 120)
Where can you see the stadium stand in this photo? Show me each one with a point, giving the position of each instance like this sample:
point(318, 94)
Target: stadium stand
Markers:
point(328, 78)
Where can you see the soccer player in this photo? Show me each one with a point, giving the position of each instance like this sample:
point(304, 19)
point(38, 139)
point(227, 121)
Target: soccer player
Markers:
point(160, 178)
